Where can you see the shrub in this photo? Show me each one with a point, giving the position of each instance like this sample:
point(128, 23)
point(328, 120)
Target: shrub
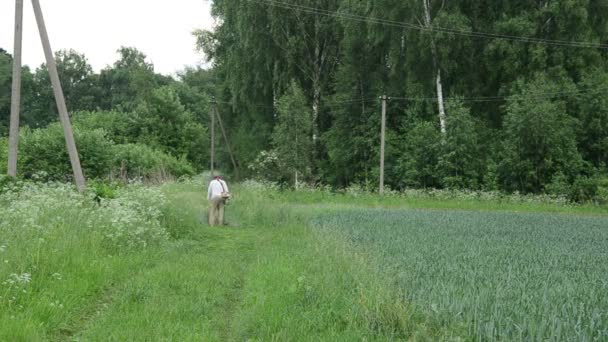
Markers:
point(267, 166)
point(418, 163)
point(602, 191)
point(103, 190)
point(119, 127)
point(584, 189)
point(142, 161)
point(539, 138)
point(460, 161)
point(163, 122)
point(45, 150)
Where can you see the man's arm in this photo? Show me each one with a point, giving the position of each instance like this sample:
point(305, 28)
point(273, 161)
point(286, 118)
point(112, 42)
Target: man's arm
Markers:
point(209, 192)
point(225, 186)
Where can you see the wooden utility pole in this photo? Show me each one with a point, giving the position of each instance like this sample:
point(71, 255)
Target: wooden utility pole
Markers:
point(382, 142)
point(219, 119)
point(63, 111)
point(212, 114)
point(16, 91)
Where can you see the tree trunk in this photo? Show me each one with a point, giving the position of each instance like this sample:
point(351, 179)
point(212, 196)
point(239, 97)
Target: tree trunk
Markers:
point(442, 118)
point(439, 84)
point(316, 102)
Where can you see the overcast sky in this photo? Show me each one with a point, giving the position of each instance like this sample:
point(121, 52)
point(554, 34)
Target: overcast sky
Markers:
point(97, 28)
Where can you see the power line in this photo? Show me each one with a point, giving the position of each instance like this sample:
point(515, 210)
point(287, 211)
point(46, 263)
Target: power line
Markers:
point(542, 96)
point(323, 103)
point(478, 99)
point(405, 25)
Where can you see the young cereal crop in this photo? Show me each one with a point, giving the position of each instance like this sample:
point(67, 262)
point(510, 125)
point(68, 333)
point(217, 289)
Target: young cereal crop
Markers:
point(501, 276)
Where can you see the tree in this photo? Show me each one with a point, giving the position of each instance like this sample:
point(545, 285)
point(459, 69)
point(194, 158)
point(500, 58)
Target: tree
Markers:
point(539, 136)
point(460, 161)
point(417, 164)
point(5, 90)
point(593, 116)
point(415, 51)
point(165, 123)
point(130, 81)
point(291, 137)
point(78, 82)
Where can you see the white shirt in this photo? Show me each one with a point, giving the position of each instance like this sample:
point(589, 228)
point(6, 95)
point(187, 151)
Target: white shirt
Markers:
point(215, 189)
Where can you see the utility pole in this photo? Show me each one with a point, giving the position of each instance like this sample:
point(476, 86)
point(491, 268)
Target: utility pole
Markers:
point(382, 143)
point(16, 91)
point(212, 114)
point(63, 111)
point(219, 119)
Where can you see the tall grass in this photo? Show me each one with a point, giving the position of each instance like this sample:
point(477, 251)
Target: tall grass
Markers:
point(59, 249)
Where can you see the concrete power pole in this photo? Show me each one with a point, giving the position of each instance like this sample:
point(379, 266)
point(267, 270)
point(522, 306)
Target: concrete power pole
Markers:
point(16, 91)
point(63, 111)
point(212, 114)
point(382, 143)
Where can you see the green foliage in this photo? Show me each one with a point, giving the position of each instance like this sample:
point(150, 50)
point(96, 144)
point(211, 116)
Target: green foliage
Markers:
point(78, 82)
point(583, 189)
point(340, 67)
point(103, 190)
point(267, 166)
point(138, 160)
point(539, 138)
point(593, 115)
point(292, 137)
point(195, 90)
point(5, 89)
point(163, 122)
point(130, 81)
point(119, 127)
point(460, 162)
point(45, 150)
point(254, 70)
point(421, 149)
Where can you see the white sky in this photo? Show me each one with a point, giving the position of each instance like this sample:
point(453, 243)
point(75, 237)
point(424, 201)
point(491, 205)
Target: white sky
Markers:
point(97, 28)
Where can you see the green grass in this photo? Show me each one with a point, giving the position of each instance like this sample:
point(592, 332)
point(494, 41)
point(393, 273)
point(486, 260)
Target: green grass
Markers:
point(495, 203)
point(269, 275)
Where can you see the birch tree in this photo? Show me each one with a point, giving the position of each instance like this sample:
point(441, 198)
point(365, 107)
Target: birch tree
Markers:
point(428, 24)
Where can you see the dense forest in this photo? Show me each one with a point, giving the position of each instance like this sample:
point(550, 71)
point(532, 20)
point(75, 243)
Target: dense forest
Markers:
point(484, 95)
point(504, 95)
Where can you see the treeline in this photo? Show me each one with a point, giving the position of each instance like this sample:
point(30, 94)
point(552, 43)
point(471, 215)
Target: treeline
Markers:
point(473, 105)
point(128, 120)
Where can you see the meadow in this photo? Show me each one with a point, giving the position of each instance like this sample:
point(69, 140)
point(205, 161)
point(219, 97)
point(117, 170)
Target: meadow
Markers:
point(139, 263)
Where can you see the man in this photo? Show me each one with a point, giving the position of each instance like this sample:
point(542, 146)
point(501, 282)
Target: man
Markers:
point(217, 195)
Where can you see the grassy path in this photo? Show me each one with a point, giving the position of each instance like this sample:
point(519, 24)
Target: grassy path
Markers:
point(191, 294)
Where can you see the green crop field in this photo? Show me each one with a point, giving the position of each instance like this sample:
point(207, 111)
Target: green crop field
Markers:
point(501, 276)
